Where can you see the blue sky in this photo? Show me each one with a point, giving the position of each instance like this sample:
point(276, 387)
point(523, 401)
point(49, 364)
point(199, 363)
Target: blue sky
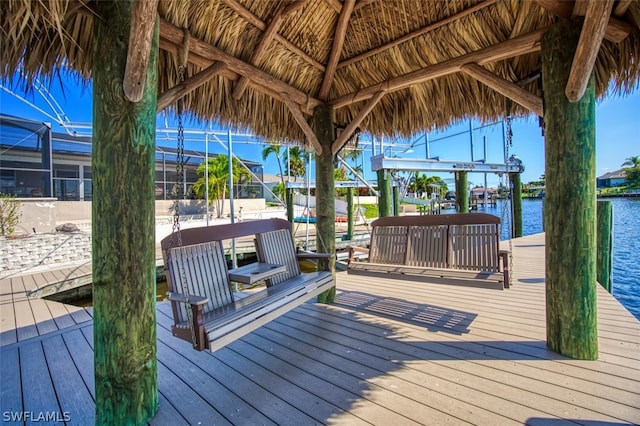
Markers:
point(617, 133)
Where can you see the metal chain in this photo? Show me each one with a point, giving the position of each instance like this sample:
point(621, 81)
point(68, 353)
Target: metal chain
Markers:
point(179, 195)
point(509, 144)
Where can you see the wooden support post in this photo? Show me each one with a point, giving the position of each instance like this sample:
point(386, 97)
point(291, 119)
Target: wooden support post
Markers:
point(516, 202)
point(570, 205)
point(462, 192)
point(123, 226)
point(605, 244)
point(396, 200)
point(384, 191)
point(349, 213)
point(288, 198)
point(325, 192)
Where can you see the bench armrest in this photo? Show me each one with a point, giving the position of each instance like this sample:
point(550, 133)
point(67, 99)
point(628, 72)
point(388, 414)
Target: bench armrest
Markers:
point(355, 249)
point(322, 258)
point(504, 255)
point(183, 298)
point(197, 305)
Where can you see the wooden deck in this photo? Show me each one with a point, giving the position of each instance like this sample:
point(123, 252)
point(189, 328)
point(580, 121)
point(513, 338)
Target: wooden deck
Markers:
point(389, 352)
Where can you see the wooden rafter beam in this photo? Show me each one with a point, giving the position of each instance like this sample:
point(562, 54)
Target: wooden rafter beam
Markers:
point(593, 29)
point(306, 129)
point(267, 36)
point(521, 45)
point(230, 75)
point(621, 7)
point(616, 30)
point(506, 88)
point(170, 96)
point(416, 33)
point(579, 8)
point(351, 127)
point(174, 34)
point(259, 24)
point(143, 23)
point(336, 49)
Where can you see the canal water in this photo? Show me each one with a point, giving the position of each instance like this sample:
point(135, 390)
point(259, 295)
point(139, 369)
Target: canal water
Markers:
point(626, 244)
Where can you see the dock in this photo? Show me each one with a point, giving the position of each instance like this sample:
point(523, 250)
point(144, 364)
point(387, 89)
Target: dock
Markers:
point(390, 351)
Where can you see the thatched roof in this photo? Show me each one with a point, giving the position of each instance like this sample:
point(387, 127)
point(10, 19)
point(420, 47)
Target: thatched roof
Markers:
point(407, 49)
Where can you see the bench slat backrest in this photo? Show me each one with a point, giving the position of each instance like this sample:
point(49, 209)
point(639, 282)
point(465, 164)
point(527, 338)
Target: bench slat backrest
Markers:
point(475, 247)
point(202, 270)
point(278, 247)
point(427, 246)
point(388, 245)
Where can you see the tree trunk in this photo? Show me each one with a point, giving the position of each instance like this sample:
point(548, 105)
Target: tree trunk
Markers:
point(325, 192)
point(462, 192)
point(123, 227)
point(289, 200)
point(570, 205)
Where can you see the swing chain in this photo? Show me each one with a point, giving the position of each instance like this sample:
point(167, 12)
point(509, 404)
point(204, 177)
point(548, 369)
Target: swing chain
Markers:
point(509, 144)
point(179, 194)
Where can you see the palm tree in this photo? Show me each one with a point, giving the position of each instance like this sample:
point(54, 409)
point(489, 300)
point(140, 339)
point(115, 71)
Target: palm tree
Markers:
point(217, 170)
point(296, 160)
point(275, 149)
point(632, 169)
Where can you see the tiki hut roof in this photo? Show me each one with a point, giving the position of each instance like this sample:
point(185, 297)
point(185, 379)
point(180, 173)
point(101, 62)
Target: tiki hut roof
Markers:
point(416, 64)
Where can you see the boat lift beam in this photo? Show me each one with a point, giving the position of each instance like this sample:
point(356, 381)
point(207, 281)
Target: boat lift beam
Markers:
point(337, 184)
point(513, 165)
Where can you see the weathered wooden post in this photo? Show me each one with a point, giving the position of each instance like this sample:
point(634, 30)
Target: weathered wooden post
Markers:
point(462, 192)
point(384, 191)
point(604, 244)
point(516, 202)
point(123, 225)
point(323, 119)
point(288, 198)
point(396, 200)
point(349, 213)
point(570, 205)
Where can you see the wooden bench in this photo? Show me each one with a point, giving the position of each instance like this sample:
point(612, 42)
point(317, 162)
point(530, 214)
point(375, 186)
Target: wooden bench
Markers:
point(464, 246)
point(205, 309)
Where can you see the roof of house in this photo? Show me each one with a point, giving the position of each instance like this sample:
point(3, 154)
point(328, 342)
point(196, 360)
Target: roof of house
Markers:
point(618, 174)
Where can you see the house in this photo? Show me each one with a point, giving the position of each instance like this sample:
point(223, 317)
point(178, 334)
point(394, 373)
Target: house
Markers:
point(612, 179)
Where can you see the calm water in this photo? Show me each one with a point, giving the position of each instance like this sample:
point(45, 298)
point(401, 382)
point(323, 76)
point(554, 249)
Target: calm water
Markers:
point(626, 244)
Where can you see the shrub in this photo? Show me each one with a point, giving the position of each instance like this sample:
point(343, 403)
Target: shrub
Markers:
point(9, 213)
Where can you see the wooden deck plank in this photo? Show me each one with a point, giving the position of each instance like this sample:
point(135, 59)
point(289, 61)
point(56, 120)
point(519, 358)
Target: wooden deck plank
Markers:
point(42, 316)
point(190, 405)
point(25, 322)
point(410, 368)
point(71, 390)
point(227, 404)
point(391, 351)
point(497, 374)
point(321, 379)
point(268, 405)
point(81, 351)
point(502, 333)
point(38, 394)
point(369, 407)
point(8, 333)
point(547, 369)
point(60, 314)
point(11, 389)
